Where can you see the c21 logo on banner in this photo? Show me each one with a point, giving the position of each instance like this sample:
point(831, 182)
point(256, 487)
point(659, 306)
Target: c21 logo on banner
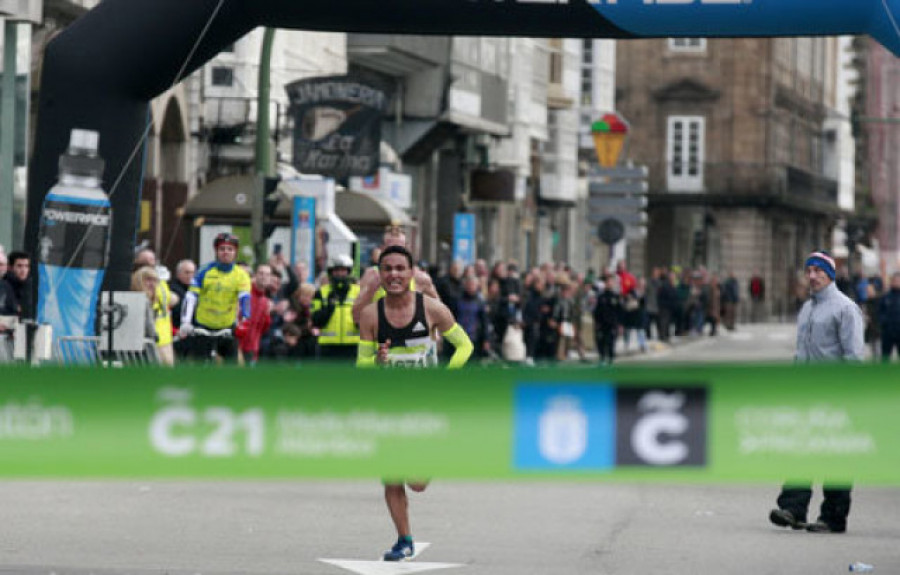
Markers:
point(661, 426)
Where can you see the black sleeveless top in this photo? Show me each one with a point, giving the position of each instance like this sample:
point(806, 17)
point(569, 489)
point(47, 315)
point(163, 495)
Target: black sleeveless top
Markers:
point(409, 336)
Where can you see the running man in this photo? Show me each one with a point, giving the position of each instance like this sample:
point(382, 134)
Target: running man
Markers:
point(370, 289)
point(396, 330)
point(220, 295)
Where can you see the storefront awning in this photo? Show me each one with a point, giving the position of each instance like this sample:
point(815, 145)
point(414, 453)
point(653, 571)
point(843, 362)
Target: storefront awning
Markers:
point(225, 198)
point(370, 210)
point(230, 198)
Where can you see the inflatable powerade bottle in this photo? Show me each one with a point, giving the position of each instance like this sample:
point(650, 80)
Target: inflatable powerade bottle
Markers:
point(73, 241)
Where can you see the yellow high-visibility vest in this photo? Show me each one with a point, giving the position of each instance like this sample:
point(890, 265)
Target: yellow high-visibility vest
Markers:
point(340, 330)
point(163, 314)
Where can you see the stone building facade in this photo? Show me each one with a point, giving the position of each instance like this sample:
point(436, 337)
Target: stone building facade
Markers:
point(734, 134)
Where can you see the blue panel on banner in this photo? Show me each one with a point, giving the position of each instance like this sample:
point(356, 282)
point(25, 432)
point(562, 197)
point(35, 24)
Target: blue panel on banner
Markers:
point(565, 427)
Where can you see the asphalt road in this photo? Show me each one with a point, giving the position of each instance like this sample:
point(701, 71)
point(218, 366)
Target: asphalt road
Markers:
point(188, 528)
point(761, 342)
point(177, 528)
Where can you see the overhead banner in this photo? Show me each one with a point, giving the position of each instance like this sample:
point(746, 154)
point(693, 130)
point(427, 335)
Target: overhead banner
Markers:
point(337, 126)
point(717, 424)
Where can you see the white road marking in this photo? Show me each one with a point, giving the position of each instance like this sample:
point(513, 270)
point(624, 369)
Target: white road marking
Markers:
point(389, 567)
point(781, 336)
point(741, 336)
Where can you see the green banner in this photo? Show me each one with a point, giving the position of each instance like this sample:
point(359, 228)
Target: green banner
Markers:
point(709, 424)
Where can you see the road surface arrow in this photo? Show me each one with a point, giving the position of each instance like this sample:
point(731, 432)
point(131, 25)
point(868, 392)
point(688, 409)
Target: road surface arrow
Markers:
point(390, 567)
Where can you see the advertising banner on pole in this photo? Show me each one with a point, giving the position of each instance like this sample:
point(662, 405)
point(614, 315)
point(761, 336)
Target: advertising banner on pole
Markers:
point(714, 425)
point(464, 238)
point(303, 234)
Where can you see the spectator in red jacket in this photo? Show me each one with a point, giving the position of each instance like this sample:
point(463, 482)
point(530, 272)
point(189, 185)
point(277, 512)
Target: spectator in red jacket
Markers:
point(757, 291)
point(260, 314)
point(627, 282)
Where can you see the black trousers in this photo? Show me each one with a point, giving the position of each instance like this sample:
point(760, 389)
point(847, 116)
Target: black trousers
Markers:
point(182, 348)
point(889, 342)
point(835, 507)
point(338, 353)
point(652, 322)
point(203, 346)
point(665, 324)
point(606, 343)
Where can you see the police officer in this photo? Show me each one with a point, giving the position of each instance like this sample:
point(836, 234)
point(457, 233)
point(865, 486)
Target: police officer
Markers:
point(332, 311)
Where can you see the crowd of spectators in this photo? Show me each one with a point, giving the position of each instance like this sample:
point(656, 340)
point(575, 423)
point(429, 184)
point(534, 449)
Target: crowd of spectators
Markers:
point(544, 314)
point(880, 303)
point(547, 313)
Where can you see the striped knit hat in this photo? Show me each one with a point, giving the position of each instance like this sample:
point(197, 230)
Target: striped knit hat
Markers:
point(822, 260)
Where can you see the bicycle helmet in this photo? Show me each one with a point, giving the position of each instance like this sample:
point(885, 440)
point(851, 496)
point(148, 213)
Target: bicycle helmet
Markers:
point(226, 238)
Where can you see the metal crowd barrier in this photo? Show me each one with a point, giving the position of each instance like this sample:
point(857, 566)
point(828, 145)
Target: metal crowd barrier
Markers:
point(81, 350)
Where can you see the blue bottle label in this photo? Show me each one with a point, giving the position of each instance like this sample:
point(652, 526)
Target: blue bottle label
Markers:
point(68, 299)
point(74, 232)
point(73, 243)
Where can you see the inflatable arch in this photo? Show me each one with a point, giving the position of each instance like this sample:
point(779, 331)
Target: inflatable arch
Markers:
point(102, 71)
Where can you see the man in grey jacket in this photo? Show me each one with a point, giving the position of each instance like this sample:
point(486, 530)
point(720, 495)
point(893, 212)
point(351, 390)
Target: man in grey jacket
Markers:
point(829, 328)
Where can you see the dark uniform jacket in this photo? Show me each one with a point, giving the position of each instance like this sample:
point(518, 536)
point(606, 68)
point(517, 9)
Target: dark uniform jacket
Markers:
point(609, 311)
point(889, 313)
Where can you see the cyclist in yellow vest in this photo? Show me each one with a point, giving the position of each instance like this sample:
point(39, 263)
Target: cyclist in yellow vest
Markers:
point(220, 296)
point(332, 312)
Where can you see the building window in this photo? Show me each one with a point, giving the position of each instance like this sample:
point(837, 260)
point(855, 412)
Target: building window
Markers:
point(685, 153)
point(587, 52)
point(687, 44)
point(556, 61)
point(222, 76)
point(587, 86)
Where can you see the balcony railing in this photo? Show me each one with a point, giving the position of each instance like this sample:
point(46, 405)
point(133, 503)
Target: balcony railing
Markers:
point(744, 178)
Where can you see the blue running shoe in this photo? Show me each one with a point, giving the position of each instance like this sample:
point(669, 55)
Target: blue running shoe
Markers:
point(403, 550)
